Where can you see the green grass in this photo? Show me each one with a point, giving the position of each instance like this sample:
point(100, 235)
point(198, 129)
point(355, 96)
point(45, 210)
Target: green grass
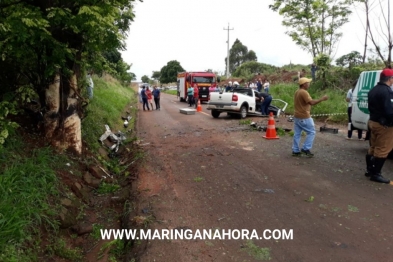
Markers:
point(106, 107)
point(335, 104)
point(105, 188)
point(27, 183)
point(198, 179)
point(258, 253)
point(171, 92)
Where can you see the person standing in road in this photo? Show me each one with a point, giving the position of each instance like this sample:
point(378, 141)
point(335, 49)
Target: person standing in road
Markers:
point(156, 95)
point(190, 94)
point(350, 127)
point(149, 97)
point(144, 98)
point(302, 118)
point(380, 105)
point(196, 95)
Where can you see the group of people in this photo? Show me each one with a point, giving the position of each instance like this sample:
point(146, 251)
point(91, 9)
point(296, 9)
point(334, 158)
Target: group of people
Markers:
point(380, 125)
point(258, 85)
point(146, 97)
point(193, 95)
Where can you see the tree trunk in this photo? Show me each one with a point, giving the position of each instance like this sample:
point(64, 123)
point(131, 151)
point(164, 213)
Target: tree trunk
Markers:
point(365, 40)
point(62, 122)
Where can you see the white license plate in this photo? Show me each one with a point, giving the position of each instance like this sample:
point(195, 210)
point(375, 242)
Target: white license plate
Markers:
point(220, 106)
point(204, 96)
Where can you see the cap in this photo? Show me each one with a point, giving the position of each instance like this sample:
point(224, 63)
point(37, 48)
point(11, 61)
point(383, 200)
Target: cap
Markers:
point(387, 72)
point(235, 83)
point(304, 80)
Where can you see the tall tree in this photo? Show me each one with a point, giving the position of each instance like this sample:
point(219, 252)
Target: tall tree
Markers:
point(156, 75)
point(352, 59)
point(58, 38)
point(383, 50)
point(169, 72)
point(239, 54)
point(145, 79)
point(314, 24)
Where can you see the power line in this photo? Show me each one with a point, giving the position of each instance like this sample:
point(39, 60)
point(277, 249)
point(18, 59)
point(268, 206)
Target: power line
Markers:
point(228, 49)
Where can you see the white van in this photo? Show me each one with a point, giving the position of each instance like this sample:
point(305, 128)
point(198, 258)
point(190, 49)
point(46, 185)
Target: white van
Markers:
point(360, 114)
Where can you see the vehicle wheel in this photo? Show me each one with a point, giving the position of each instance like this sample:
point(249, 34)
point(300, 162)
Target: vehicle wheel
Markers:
point(243, 112)
point(215, 113)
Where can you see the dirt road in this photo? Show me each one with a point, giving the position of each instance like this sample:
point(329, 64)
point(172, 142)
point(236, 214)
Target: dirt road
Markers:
point(205, 173)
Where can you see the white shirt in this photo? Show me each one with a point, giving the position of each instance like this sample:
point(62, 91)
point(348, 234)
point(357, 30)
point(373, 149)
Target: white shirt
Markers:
point(349, 96)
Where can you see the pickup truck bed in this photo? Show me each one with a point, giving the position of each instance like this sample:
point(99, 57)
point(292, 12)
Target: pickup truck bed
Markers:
point(241, 101)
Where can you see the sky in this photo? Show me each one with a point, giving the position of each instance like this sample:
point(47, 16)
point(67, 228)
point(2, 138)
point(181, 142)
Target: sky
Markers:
point(192, 32)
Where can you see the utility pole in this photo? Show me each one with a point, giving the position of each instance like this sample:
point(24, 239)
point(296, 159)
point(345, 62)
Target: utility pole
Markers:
point(228, 50)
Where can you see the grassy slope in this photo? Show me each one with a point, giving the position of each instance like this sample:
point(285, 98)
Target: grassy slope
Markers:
point(335, 104)
point(29, 186)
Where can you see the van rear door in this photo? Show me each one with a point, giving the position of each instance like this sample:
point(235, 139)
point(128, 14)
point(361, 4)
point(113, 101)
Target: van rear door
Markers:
point(360, 114)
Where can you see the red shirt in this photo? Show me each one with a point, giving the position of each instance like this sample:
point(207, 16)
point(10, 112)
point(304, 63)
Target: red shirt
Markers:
point(196, 92)
point(148, 93)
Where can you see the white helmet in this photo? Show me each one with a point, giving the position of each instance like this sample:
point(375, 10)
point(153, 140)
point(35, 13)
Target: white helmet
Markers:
point(235, 83)
point(230, 83)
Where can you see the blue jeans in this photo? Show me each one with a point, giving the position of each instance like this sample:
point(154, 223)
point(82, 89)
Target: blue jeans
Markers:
point(306, 125)
point(265, 105)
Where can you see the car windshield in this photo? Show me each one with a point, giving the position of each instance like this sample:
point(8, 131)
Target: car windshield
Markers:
point(203, 79)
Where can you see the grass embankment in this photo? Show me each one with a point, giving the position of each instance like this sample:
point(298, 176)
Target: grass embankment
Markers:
point(105, 109)
point(30, 186)
point(335, 104)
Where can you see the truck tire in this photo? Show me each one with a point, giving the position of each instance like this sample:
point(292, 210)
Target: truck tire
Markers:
point(216, 113)
point(243, 111)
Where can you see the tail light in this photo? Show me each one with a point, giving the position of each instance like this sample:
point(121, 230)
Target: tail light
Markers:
point(234, 98)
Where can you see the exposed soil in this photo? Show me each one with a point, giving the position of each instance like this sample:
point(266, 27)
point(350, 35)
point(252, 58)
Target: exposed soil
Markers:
point(84, 209)
point(206, 173)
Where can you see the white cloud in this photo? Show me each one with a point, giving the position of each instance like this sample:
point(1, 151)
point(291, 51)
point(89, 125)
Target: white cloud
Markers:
point(192, 32)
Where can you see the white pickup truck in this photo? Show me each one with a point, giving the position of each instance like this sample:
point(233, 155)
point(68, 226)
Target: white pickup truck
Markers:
point(241, 101)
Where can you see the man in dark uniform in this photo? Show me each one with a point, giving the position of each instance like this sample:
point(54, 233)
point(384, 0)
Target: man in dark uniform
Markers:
point(380, 105)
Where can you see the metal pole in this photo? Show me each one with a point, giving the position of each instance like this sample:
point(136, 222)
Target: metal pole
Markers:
point(228, 50)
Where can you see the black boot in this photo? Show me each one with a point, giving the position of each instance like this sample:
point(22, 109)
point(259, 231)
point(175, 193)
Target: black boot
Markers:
point(370, 164)
point(376, 171)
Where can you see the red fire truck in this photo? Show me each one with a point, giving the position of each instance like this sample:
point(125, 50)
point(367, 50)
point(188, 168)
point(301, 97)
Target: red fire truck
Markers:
point(204, 80)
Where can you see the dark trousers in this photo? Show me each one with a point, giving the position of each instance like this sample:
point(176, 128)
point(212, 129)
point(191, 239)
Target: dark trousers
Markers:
point(265, 105)
point(157, 101)
point(190, 100)
point(360, 132)
point(144, 99)
point(196, 101)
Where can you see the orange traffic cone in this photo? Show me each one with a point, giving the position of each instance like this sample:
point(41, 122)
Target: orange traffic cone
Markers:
point(199, 108)
point(271, 128)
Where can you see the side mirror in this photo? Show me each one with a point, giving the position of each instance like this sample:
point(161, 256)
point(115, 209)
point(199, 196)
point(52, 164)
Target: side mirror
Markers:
point(218, 79)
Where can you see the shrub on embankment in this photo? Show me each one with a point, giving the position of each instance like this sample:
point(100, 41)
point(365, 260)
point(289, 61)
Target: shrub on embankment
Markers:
point(335, 104)
point(30, 181)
